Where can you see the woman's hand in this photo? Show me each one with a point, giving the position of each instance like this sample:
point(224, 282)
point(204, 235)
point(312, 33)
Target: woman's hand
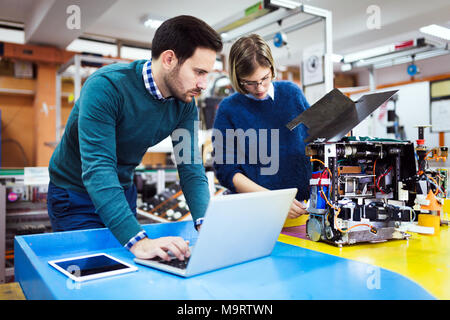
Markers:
point(297, 209)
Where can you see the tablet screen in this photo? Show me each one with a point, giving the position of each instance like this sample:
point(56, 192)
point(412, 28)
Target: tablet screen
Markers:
point(91, 265)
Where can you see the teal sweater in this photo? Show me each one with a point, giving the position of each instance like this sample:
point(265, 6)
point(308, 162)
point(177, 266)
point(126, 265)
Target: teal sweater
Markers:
point(109, 130)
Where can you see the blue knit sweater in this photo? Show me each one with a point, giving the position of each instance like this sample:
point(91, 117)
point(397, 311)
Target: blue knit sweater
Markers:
point(253, 116)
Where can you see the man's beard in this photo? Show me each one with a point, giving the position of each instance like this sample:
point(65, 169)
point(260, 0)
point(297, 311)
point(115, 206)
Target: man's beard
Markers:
point(175, 87)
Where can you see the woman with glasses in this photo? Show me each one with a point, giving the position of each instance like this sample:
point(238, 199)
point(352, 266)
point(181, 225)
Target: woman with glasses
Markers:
point(250, 128)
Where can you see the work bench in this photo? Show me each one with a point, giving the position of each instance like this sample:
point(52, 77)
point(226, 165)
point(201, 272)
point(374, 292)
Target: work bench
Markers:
point(298, 268)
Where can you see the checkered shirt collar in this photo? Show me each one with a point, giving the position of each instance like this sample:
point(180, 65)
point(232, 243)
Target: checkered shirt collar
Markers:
point(150, 83)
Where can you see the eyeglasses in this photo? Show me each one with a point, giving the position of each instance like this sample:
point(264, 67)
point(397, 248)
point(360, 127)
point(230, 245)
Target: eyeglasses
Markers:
point(256, 84)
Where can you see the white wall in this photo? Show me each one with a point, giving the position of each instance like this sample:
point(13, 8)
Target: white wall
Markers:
point(413, 108)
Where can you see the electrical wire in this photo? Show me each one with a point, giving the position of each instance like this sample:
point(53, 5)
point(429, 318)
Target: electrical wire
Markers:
point(434, 182)
point(338, 209)
point(24, 155)
point(320, 181)
point(382, 176)
point(320, 161)
point(374, 174)
point(329, 172)
point(442, 182)
point(360, 225)
point(12, 119)
point(426, 155)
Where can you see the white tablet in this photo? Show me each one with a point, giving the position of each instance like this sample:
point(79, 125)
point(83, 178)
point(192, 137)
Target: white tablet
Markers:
point(92, 266)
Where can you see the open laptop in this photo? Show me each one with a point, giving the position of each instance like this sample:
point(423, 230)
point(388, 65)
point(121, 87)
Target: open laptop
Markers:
point(237, 228)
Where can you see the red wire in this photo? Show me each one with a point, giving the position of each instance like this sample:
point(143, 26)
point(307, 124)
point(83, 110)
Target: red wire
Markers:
point(320, 181)
point(379, 179)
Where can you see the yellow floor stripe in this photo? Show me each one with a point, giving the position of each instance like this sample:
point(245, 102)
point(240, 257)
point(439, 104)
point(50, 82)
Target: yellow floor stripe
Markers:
point(423, 259)
point(11, 291)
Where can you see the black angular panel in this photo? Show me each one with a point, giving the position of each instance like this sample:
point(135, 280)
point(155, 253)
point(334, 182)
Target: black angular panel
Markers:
point(334, 115)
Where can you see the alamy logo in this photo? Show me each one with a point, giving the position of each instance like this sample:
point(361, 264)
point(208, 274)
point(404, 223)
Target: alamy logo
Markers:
point(374, 20)
point(373, 280)
point(76, 271)
point(74, 19)
point(235, 147)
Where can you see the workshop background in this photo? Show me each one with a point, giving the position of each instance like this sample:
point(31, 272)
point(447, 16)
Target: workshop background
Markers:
point(49, 48)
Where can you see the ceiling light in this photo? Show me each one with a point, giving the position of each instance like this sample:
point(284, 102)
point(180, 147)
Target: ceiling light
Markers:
point(152, 21)
point(437, 31)
point(154, 24)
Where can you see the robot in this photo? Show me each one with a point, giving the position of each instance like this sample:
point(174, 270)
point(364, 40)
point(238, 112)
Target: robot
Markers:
point(361, 189)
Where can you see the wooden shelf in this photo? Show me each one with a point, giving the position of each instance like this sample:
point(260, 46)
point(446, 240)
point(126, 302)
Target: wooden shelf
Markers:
point(21, 86)
point(17, 91)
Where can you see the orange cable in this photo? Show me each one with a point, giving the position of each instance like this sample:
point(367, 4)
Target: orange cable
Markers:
point(338, 209)
point(374, 176)
point(312, 159)
point(437, 185)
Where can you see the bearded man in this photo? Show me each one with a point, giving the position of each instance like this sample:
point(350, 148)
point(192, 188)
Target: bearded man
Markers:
point(124, 109)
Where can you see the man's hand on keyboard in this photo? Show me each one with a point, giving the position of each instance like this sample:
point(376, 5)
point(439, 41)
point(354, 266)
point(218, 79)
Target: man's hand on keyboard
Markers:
point(151, 248)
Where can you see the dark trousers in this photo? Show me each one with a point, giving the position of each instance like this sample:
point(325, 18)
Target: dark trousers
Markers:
point(71, 210)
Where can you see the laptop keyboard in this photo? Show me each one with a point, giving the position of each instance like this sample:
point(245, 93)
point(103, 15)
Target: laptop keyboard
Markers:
point(174, 262)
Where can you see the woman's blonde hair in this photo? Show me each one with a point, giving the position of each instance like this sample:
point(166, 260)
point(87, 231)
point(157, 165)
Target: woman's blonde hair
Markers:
point(246, 55)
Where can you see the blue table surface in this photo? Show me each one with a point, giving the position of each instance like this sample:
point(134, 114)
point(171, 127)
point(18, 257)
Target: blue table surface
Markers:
point(290, 272)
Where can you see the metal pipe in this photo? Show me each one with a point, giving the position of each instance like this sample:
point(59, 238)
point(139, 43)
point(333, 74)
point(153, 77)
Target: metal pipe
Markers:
point(58, 108)
point(294, 27)
point(2, 233)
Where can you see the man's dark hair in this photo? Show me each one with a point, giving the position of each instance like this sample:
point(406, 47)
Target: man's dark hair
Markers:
point(184, 34)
